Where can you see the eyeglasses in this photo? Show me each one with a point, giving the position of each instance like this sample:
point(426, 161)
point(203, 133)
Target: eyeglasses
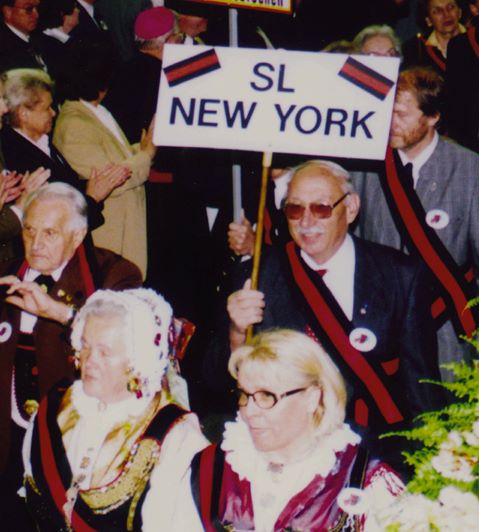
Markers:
point(28, 10)
point(390, 53)
point(295, 211)
point(262, 398)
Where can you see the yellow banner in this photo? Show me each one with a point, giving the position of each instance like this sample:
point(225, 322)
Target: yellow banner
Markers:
point(277, 6)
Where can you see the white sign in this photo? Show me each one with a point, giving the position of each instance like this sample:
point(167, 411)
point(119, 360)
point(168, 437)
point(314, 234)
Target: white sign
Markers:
point(276, 100)
point(278, 6)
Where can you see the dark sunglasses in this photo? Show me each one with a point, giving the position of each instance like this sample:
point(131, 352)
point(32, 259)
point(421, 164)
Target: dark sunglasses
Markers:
point(295, 211)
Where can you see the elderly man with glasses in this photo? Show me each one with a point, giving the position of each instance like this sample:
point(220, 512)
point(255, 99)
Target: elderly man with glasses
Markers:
point(366, 304)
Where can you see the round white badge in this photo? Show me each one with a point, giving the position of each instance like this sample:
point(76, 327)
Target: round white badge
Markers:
point(5, 331)
point(353, 501)
point(437, 218)
point(363, 339)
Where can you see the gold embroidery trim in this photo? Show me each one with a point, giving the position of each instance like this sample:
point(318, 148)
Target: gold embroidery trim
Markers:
point(130, 484)
point(33, 485)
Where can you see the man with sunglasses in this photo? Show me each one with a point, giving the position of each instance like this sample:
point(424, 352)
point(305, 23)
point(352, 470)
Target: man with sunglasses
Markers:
point(366, 304)
point(18, 47)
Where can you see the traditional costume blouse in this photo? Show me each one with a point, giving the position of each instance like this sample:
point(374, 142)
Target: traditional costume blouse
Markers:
point(94, 466)
point(236, 487)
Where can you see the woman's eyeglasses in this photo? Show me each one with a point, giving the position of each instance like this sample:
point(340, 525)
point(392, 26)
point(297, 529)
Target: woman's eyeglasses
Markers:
point(295, 211)
point(262, 398)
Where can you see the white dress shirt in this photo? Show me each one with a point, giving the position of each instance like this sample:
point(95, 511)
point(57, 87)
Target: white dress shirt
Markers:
point(419, 161)
point(339, 276)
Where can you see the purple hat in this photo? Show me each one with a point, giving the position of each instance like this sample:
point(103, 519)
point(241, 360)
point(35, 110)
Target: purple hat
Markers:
point(154, 22)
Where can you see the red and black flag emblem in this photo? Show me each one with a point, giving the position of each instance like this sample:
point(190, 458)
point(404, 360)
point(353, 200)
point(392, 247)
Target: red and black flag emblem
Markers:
point(192, 67)
point(366, 78)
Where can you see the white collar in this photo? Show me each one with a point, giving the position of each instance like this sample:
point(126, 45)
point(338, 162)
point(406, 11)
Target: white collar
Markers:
point(24, 36)
point(419, 161)
point(88, 8)
point(57, 33)
point(342, 256)
point(249, 463)
point(43, 143)
point(31, 274)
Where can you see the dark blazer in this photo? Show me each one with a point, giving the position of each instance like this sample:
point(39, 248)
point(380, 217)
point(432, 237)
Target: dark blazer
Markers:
point(23, 156)
point(53, 351)
point(390, 299)
point(87, 31)
point(17, 53)
point(462, 88)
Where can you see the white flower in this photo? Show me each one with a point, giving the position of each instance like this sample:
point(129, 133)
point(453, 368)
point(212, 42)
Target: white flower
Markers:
point(471, 439)
point(455, 438)
point(465, 502)
point(452, 466)
point(475, 428)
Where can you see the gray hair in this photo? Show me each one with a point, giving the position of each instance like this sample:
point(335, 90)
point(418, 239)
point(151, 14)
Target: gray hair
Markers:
point(23, 86)
point(152, 44)
point(63, 192)
point(377, 30)
point(334, 169)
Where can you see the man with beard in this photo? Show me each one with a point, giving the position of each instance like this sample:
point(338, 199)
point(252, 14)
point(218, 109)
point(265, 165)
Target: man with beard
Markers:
point(426, 203)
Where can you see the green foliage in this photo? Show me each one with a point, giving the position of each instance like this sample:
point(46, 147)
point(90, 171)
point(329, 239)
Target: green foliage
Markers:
point(450, 438)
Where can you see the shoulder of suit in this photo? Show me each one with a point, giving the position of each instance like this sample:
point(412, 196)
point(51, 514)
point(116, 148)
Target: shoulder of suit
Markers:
point(390, 257)
point(451, 152)
point(108, 260)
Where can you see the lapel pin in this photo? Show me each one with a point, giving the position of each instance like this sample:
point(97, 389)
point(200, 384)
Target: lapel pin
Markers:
point(363, 339)
point(437, 219)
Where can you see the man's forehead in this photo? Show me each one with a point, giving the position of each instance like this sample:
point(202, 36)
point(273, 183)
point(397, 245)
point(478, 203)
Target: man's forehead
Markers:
point(26, 3)
point(405, 98)
point(48, 212)
point(313, 177)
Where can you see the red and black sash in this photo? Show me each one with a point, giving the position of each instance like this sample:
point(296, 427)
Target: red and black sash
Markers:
point(207, 487)
point(456, 286)
point(434, 54)
point(328, 322)
point(50, 466)
point(472, 38)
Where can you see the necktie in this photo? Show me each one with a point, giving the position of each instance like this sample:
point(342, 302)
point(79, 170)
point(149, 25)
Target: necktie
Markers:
point(408, 176)
point(321, 272)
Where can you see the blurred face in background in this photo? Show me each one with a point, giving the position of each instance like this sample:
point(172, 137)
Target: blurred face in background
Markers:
point(23, 15)
point(379, 45)
point(443, 16)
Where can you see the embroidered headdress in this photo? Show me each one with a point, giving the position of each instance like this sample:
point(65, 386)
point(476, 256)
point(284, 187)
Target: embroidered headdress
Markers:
point(146, 323)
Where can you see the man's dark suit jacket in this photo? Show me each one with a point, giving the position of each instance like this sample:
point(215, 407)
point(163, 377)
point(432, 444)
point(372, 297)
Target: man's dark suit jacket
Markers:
point(87, 31)
point(17, 53)
point(23, 156)
point(53, 351)
point(390, 299)
point(462, 88)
